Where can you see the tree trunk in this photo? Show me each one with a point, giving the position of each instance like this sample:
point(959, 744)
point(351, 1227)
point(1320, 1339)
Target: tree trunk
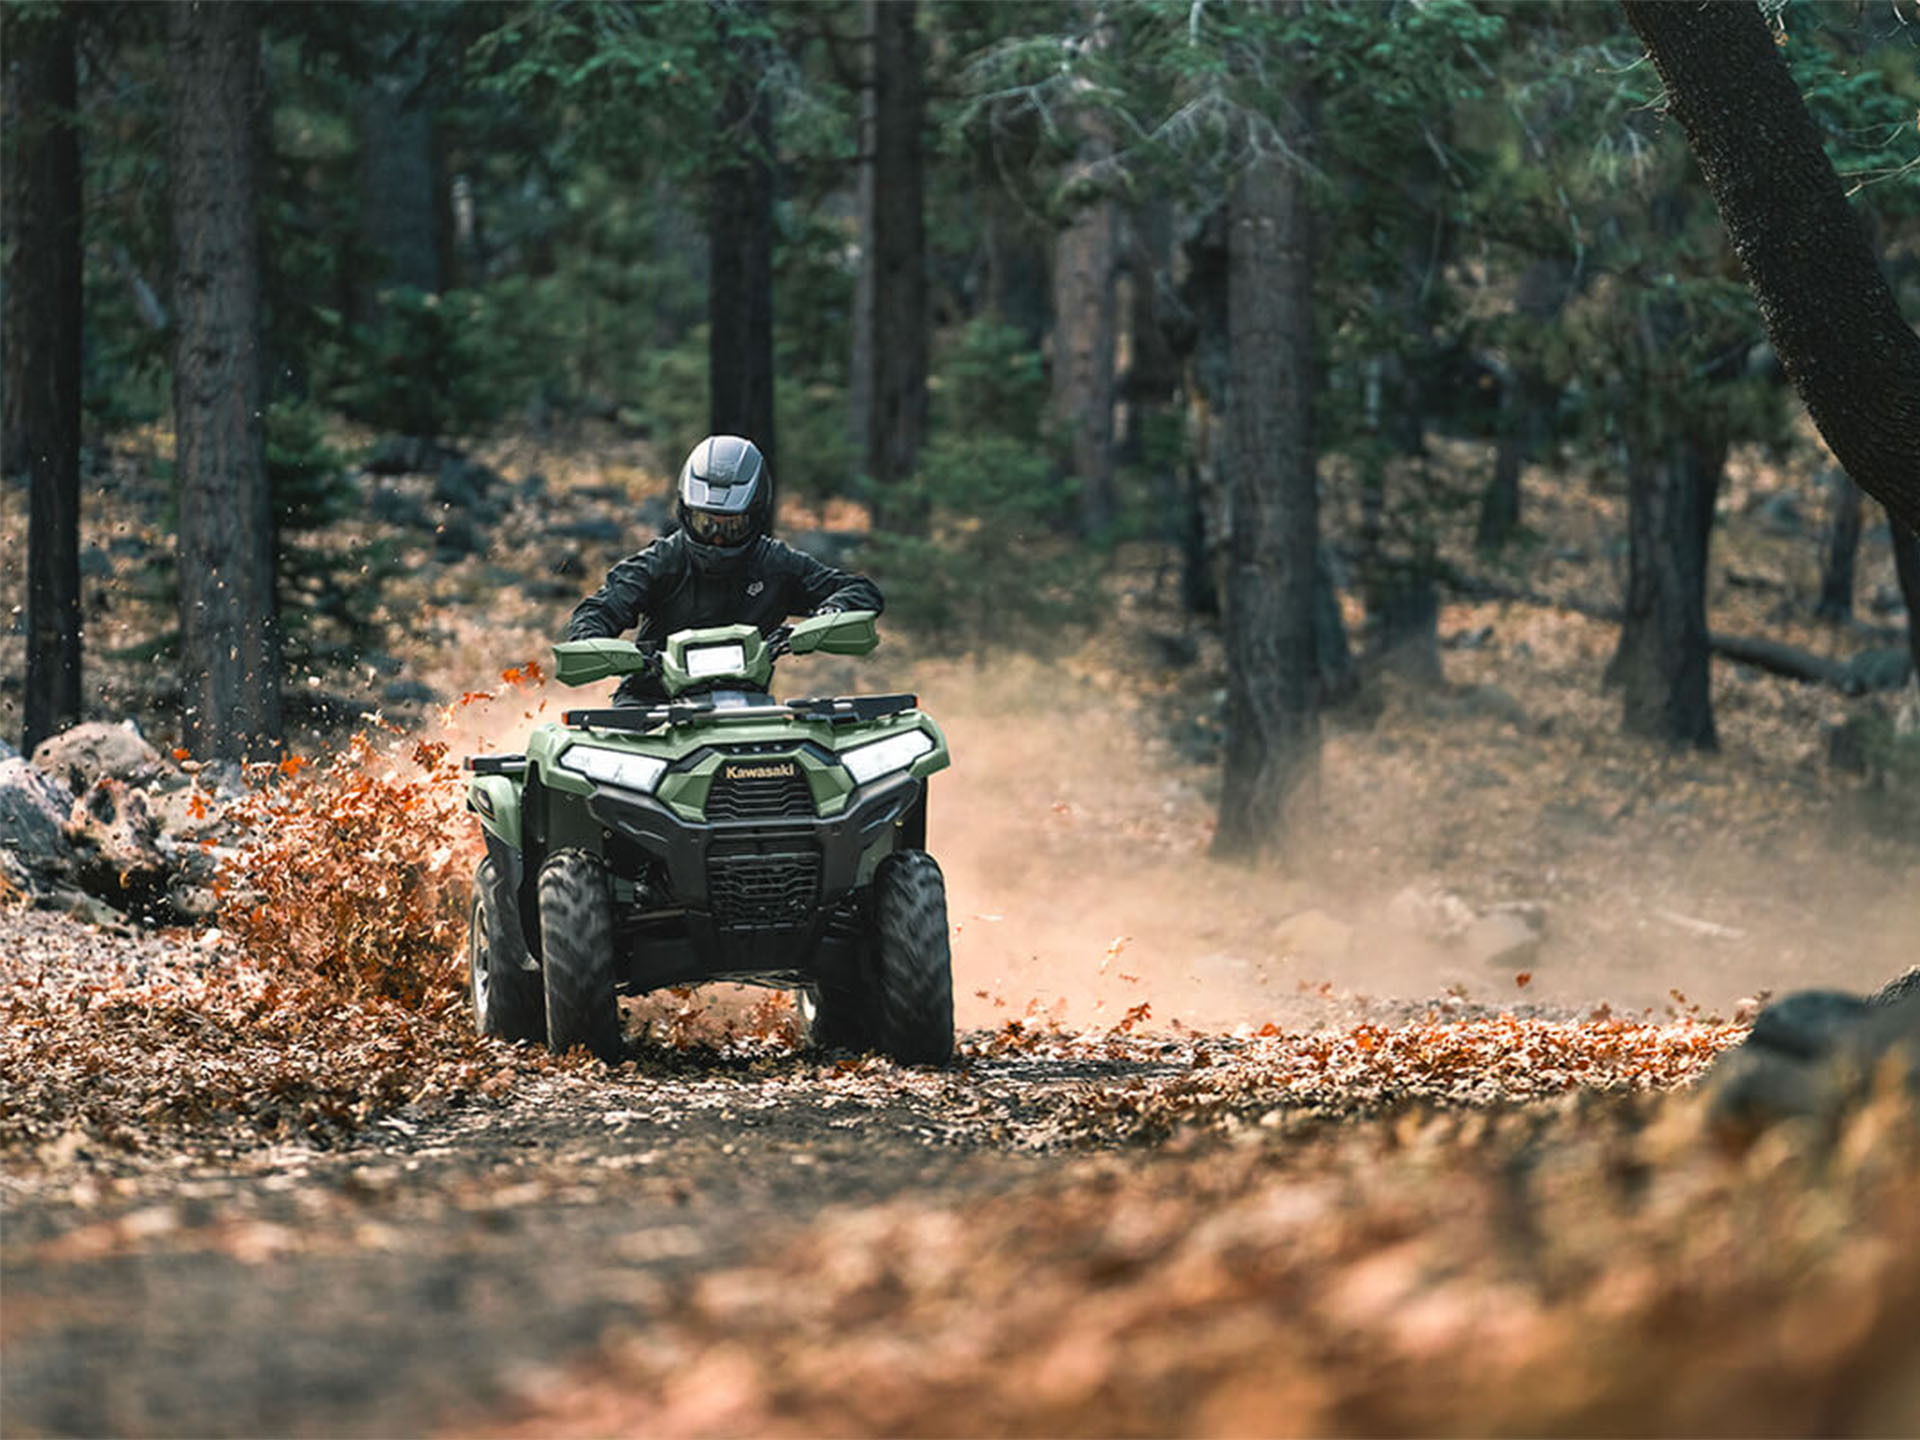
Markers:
point(1086, 258)
point(1662, 663)
point(42, 336)
point(1273, 692)
point(1832, 318)
point(1843, 548)
point(1906, 562)
point(897, 387)
point(740, 241)
point(1526, 403)
point(230, 654)
point(400, 213)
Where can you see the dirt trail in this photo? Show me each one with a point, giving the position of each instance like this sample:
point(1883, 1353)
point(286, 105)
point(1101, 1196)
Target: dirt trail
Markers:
point(572, 1250)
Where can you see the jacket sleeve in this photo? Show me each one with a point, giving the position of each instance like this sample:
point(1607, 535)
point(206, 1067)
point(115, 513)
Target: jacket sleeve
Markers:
point(818, 588)
point(632, 588)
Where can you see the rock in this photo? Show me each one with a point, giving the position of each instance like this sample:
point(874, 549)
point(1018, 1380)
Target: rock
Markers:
point(1501, 938)
point(95, 750)
point(1808, 1023)
point(405, 455)
point(465, 482)
point(1476, 639)
point(1314, 935)
point(33, 814)
point(1494, 703)
point(596, 529)
point(115, 839)
point(1430, 912)
point(1813, 1056)
point(456, 536)
point(391, 505)
point(1898, 990)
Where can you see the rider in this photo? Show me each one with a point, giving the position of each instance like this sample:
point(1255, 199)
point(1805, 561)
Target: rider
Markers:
point(720, 567)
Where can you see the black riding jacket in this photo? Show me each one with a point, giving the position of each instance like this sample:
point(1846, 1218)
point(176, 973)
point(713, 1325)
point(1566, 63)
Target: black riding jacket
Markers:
point(764, 585)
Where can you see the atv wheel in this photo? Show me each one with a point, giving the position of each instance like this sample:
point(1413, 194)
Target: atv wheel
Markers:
point(576, 955)
point(912, 967)
point(504, 987)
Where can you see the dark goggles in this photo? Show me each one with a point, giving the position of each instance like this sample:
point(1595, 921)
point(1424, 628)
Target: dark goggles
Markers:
point(710, 528)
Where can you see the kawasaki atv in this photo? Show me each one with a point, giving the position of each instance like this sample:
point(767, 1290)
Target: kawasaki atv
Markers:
point(721, 835)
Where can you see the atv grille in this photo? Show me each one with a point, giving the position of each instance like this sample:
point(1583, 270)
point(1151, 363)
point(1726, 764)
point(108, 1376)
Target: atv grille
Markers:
point(763, 892)
point(756, 794)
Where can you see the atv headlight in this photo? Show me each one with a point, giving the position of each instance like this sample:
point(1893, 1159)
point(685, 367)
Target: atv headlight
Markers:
point(883, 757)
point(615, 767)
point(706, 660)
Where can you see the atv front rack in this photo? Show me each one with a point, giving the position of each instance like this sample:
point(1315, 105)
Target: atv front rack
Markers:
point(853, 710)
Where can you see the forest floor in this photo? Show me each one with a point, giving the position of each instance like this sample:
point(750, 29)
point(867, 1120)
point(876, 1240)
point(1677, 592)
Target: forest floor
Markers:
point(1226, 1150)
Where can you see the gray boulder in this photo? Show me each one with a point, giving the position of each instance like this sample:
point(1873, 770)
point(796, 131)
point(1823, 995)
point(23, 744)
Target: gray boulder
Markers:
point(98, 751)
point(1815, 1055)
point(33, 814)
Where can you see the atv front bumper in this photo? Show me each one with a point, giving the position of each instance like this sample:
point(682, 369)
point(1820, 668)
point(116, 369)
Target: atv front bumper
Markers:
point(749, 896)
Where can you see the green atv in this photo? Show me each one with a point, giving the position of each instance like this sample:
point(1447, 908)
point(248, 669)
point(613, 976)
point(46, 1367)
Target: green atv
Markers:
point(721, 835)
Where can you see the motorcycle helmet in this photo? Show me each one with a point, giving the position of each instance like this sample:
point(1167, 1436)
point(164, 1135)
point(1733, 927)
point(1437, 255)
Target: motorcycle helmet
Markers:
point(724, 499)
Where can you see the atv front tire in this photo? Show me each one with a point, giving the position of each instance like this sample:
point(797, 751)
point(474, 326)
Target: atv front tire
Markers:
point(576, 955)
point(501, 981)
point(912, 965)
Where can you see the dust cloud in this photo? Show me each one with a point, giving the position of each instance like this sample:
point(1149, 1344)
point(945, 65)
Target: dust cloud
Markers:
point(1074, 839)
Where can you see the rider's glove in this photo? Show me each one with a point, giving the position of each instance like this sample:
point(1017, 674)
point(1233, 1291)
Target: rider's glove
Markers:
point(778, 640)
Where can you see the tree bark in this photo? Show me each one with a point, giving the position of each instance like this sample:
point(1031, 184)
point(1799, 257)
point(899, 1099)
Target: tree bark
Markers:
point(1086, 258)
point(1843, 549)
point(230, 653)
point(1828, 309)
point(399, 189)
point(1906, 563)
point(896, 388)
point(42, 336)
point(1527, 399)
point(740, 241)
point(1662, 664)
point(1273, 691)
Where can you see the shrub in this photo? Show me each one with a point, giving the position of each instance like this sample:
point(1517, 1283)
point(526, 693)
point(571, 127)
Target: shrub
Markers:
point(992, 566)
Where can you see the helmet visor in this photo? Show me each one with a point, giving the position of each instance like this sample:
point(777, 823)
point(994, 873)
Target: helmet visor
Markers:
point(710, 527)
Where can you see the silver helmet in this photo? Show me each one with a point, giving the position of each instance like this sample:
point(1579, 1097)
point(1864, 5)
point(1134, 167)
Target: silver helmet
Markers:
point(725, 493)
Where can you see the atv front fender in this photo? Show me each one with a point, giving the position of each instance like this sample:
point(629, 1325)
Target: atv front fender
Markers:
point(496, 800)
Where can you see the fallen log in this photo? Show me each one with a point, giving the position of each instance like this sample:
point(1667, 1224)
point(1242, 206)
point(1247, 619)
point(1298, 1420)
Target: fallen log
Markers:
point(1866, 671)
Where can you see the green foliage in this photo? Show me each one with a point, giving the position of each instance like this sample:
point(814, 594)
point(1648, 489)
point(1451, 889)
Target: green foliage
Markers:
point(991, 568)
point(305, 475)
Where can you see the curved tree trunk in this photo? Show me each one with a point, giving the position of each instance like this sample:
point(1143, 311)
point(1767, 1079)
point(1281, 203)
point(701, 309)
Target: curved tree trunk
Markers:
point(1831, 316)
point(229, 646)
point(1273, 689)
point(42, 328)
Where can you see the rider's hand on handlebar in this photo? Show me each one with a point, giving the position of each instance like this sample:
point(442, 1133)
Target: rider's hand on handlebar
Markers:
point(778, 640)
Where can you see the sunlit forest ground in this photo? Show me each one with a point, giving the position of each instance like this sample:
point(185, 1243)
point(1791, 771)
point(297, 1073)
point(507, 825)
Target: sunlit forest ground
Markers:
point(1227, 1150)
